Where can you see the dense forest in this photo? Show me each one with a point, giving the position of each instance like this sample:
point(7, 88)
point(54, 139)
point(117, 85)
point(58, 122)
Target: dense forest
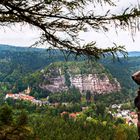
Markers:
point(123, 69)
point(26, 121)
point(16, 62)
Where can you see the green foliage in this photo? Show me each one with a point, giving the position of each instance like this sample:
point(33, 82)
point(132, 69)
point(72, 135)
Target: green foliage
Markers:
point(119, 121)
point(46, 123)
point(21, 104)
point(123, 96)
point(67, 77)
point(5, 114)
point(80, 129)
point(27, 121)
point(126, 106)
point(16, 63)
point(75, 67)
point(123, 69)
point(22, 118)
point(88, 96)
point(12, 127)
point(72, 95)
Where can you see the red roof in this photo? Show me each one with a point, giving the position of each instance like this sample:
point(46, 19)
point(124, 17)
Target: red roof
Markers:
point(63, 113)
point(26, 97)
point(10, 94)
point(73, 115)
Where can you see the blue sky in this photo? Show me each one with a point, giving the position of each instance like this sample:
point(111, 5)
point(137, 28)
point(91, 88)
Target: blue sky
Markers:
point(26, 36)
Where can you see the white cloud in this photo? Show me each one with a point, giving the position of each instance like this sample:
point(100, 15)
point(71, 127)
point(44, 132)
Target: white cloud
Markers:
point(107, 39)
point(19, 35)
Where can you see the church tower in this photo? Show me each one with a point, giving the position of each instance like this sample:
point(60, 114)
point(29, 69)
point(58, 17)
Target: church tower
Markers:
point(28, 90)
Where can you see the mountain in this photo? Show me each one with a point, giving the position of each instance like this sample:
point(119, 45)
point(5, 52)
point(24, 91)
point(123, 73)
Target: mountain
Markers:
point(85, 76)
point(16, 62)
point(123, 70)
point(133, 54)
point(4, 47)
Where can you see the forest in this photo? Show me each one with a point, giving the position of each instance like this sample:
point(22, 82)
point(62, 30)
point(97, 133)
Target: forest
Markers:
point(20, 67)
point(24, 120)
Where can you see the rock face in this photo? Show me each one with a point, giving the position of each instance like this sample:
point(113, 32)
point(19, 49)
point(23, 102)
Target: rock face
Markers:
point(57, 84)
point(94, 83)
point(85, 76)
point(136, 77)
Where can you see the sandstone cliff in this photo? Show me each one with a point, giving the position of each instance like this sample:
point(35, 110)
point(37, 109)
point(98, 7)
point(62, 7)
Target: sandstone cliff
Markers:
point(97, 81)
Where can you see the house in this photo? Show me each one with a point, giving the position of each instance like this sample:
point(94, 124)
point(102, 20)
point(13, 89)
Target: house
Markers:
point(131, 121)
point(116, 106)
point(74, 115)
point(9, 95)
point(20, 96)
point(37, 102)
point(125, 113)
point(133, 115)
point(85, 108)
point(26, 97)
point(64, 113)
point(135, 121)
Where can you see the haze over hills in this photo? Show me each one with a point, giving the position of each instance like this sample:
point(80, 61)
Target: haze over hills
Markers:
point(21, 48)
point(17, 48)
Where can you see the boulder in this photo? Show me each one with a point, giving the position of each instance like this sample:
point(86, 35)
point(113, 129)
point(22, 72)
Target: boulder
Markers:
point(136, 77)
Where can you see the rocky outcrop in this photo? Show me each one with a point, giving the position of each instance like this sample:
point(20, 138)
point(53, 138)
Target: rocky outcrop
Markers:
point(57, 84)
point(95, 83)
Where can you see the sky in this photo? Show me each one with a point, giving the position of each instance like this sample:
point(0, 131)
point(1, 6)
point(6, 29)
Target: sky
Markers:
point(26, 36)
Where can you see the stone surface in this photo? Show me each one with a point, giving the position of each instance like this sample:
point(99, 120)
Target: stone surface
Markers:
point(136, 77)
point(92, 82)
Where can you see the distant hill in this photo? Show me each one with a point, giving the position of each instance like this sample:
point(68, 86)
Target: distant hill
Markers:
point(133, 54)
point(123, 69)
point(16, 62)
point(130, 54)
point(4, 47)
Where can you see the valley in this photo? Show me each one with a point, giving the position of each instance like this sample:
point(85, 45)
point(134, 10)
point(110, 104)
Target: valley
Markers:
point(43, 96)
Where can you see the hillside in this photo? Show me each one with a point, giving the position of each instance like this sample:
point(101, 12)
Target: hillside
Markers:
point(133, 54)
point(16, 62)
point(85, 76)
point(18, 66)
point(123, 70)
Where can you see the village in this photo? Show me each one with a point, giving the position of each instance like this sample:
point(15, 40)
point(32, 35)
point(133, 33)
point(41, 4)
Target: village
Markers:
point(25, 95)
point(130, 117)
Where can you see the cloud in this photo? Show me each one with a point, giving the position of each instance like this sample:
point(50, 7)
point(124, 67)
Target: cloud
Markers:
point(26, 35)
point(19, 35)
